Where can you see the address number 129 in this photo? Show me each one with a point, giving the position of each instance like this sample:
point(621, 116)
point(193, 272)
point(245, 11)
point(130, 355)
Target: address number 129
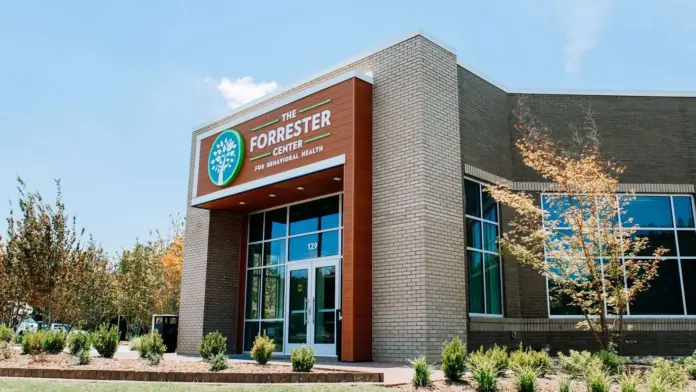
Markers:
point(312, 246)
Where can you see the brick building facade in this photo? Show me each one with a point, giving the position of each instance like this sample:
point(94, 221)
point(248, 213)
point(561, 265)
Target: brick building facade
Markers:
point(400, 269)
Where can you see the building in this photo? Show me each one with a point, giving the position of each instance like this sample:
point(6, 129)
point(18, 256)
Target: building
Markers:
point(346, 213)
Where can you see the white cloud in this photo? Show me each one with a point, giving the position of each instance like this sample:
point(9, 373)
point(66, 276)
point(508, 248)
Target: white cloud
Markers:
point(242, 90)
point(583, 21)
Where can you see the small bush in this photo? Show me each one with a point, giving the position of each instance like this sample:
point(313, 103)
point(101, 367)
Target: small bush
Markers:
point(538, 360)
point(211, 345)
point(17, 339)
point(484, 370)
point(690, 365)
point(525, 377)
point(105, 340)
point(564, 384)
point(218, 362)
point(154, 358)
point(83, 357)
point(611, 360)
point(135, 343)
point(577, 363)
point(33, 343)
point(497, 356)
point(666, 374)
point(151, 344)
point(302, 359)
point(421, 372)
point(262, 350)
point(630, 380)
point(6, 350)
point(79, 341)
point(453, 359)
point(54, 341)
point(5, 333)
point(597, 379)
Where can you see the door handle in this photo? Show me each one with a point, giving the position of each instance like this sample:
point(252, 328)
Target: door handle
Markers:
point(305, 311)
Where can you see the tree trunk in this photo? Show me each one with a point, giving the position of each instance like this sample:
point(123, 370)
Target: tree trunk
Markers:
point(220, 175)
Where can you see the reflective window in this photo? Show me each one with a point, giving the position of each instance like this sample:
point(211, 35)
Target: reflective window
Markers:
point(483, 258)
point(665, 220)
point(297, 232)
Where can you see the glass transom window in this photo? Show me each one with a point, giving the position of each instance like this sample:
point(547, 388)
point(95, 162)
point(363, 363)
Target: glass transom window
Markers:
point(667, 221)
point(278, 237)
point(483, 256)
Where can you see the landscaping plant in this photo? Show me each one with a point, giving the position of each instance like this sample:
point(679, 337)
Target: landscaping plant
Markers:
point(564, 384)
point(421, 372)
point(577, 363)
point(79, 341)
point(453, 359)
point(83, 357)
point(154, 358)
point(211, 345)
point(218, 362)
point(666, 375)
point(6, 350)
point(629, 381)
point(497, 356)
point(135, 343)
point(484, 370)
point(302, 359)
point(5, 333)
point(262, 350)
point(33, 343)
point(151, 344)
point(538, 360)
point(611, 360)
point(597, 379)
point(54, 341)
point(689, 364)
point(525, 377)
point(105, 340)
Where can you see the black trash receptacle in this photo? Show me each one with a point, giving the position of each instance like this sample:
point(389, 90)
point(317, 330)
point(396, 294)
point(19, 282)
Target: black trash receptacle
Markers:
point(168, 327)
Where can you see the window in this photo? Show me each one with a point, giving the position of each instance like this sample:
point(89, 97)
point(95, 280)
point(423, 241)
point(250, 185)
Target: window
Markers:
point(277, 237)
point(668, 221)
point(483, 256)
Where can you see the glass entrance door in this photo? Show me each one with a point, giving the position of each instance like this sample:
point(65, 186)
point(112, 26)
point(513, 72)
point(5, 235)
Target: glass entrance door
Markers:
point(313, 293)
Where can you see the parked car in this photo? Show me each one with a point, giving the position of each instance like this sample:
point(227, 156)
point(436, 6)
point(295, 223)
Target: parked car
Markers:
point(27, 325)
point(62, 327)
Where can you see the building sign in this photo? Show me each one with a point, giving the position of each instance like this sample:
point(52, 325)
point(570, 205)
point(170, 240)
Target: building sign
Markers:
point(305, 133)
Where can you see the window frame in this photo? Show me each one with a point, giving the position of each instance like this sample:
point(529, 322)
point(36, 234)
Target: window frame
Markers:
point(674, 229)
point(259, 320)
point(483, 253)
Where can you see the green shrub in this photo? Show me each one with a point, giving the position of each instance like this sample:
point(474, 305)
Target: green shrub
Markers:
point(33, 343)
point(262, 350)
point(17, 339)
point(79, 341)
point(666, 374)
point(218, 362)
point(689, 364)
point(421, 372)
point(538, 360)
point(453, 359)
point(564, 384)
point(105, 340)
point(611, 360)
point(6, 350)
point(211, 345)
point(154, 358)
point(525, 377)
point(484, 370)
point(151, 344)
point(302, 359)
point(83, 357)
point(54, 341)
point(597, 379)
point(497, 356)
point(135, 343)
point(5, 333)
point(630, 381)
point(577, 363)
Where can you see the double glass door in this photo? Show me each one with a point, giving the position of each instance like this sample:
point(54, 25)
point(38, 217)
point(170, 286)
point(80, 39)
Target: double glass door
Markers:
point(312, 292)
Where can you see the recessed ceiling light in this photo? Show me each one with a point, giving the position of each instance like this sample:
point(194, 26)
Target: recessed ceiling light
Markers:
point(337, 178)
point(241, 202)
point(271, 195)
point(299, 188)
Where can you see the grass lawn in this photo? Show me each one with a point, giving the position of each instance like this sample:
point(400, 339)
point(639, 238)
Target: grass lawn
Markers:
point(15, 385)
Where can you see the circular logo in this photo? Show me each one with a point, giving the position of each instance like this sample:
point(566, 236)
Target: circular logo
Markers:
point(226, 157)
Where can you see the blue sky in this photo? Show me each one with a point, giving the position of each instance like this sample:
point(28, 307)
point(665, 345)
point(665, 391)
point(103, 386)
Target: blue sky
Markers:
point(105, 95)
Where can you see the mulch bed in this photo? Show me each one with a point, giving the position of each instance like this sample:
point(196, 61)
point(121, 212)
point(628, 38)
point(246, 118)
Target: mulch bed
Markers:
point(65, 366)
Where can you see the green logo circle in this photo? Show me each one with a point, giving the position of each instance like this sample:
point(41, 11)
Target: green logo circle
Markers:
point(226, 157)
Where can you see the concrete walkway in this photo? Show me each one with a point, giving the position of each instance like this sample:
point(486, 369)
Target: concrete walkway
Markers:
point(394, 373)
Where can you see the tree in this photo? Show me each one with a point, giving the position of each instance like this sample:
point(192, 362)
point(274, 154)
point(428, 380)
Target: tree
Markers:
point(223, 157)
point(138, 281)
point(592, 262)
point(170, 254)
point(13, 290)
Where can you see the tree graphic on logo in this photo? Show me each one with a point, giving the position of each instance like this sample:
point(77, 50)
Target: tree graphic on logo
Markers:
point(226, 157)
